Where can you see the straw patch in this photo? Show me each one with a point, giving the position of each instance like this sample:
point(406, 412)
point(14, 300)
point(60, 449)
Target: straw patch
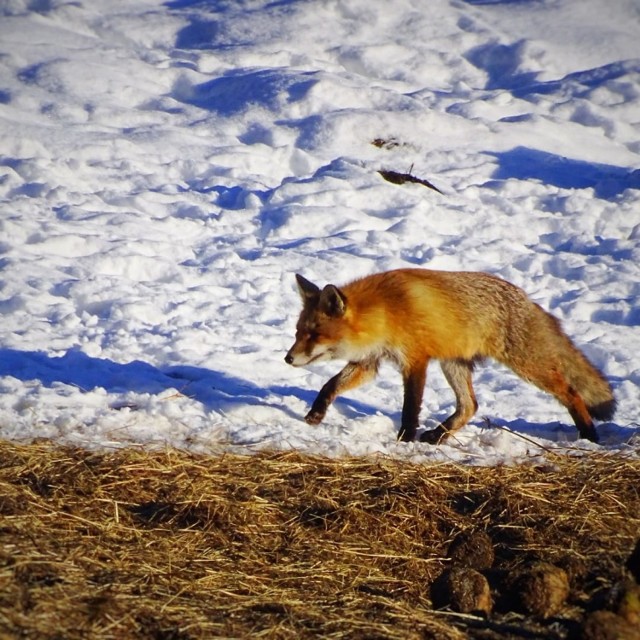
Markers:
point(174, 546)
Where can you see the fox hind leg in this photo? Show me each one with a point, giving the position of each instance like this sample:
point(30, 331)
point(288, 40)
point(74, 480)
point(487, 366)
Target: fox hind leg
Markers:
point(554, 382)
point(458, 375)
point(547, 374)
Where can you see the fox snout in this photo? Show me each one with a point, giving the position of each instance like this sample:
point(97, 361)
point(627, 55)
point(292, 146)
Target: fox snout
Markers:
point(303, 353)
point(295, 358)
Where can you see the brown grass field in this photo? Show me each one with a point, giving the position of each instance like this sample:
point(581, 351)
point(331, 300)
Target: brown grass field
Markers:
point(167, 545)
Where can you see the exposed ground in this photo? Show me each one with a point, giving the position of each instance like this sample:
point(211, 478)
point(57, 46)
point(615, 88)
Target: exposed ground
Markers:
point(168, 545)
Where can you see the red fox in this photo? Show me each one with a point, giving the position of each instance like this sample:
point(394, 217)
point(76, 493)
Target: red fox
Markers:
point(410, 316)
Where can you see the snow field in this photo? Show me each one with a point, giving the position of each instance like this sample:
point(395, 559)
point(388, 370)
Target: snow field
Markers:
point(165, 169)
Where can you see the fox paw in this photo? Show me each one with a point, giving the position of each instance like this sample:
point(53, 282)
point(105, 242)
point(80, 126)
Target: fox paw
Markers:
point(434, 436)
point(589, 433)
point(314, 417)
point(406, 435)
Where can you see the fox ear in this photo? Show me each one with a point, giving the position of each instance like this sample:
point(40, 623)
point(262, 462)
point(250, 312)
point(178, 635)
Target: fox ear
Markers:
point(332, 301)
point(307, 289)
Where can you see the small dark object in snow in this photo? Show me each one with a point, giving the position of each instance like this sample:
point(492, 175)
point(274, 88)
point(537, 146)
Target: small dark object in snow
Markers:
point(383, 143)
point(395, 177)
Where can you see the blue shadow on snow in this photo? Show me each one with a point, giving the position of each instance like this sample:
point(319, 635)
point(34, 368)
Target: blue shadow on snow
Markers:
point(522, 163)
point(236, 90)
point(75, 368)
point(502, 64)
point(213, 389)
point(610, 433)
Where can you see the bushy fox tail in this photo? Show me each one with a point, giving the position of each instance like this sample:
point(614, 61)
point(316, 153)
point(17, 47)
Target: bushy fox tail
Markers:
point(540, 352)
point(588, 382)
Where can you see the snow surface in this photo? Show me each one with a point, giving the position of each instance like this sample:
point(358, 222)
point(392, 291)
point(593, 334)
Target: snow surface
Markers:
point(166, 168)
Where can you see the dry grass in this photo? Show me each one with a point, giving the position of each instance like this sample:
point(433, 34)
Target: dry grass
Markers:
point(173, 546)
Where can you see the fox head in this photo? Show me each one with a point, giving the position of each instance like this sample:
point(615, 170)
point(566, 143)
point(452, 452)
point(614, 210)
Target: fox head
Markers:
point(321, 325)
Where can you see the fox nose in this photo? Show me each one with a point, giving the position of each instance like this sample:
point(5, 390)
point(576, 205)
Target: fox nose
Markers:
point(288, 358)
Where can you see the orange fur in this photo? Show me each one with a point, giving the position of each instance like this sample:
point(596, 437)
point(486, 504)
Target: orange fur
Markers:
point(411, 316)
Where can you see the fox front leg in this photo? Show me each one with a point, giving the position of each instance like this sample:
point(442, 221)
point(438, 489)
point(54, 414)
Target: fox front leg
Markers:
point(353, 375)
